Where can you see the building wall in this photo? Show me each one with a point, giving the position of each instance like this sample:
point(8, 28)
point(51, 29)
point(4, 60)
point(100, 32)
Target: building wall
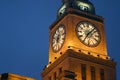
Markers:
point(9, 76)
point(72, 61)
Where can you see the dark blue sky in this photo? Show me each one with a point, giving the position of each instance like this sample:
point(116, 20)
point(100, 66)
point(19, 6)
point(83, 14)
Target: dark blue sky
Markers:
point(24, 33)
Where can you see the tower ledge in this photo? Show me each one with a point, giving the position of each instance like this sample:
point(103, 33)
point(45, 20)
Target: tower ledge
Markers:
point(70, 53)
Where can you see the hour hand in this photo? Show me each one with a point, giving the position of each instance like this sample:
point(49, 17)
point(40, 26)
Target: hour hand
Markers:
point(88, 34)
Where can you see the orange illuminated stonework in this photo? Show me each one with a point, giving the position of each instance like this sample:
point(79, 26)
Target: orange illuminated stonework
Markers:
point(9, 76)
point(71, 56)
point(70, 22)
point(70, 65)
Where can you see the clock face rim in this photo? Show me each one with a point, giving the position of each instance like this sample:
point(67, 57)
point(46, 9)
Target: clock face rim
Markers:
point(95, 28)
point(63, 38)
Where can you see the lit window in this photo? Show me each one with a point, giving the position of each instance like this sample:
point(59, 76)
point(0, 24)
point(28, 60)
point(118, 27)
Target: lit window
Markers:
point(84, 8)
point(62, 11)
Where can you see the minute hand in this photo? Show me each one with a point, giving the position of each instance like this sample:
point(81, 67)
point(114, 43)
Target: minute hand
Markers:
point(89, 33)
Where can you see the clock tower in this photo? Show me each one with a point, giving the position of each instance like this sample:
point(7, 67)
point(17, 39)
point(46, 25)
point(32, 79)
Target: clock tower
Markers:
point(77, 49)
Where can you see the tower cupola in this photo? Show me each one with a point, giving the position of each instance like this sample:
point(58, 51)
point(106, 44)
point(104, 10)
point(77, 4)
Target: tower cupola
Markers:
point(82, 5)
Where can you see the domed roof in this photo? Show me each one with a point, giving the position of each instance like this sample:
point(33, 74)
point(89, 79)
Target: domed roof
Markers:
point(83, 5)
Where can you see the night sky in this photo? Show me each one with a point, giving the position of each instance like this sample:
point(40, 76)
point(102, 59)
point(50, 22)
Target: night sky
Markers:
point(24, 33)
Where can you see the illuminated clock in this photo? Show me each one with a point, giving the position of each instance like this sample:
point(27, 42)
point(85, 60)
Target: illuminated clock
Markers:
point(58, 38)
point(88, 34)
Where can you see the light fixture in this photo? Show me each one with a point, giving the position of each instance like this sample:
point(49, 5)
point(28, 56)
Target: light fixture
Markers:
point(69, 46)
point(89, 53)
point(61, 53)
point(98, 55)
point(50, 62)
point(79, 50)
point(55, 57)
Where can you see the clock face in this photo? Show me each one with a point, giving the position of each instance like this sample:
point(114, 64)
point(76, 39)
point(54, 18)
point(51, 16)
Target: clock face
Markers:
point(58, 38)
point(88, 34)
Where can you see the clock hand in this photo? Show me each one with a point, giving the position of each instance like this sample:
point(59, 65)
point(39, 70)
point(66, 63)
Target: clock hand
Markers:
point(89, 33)
point(92, 32)
point(85, 38)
